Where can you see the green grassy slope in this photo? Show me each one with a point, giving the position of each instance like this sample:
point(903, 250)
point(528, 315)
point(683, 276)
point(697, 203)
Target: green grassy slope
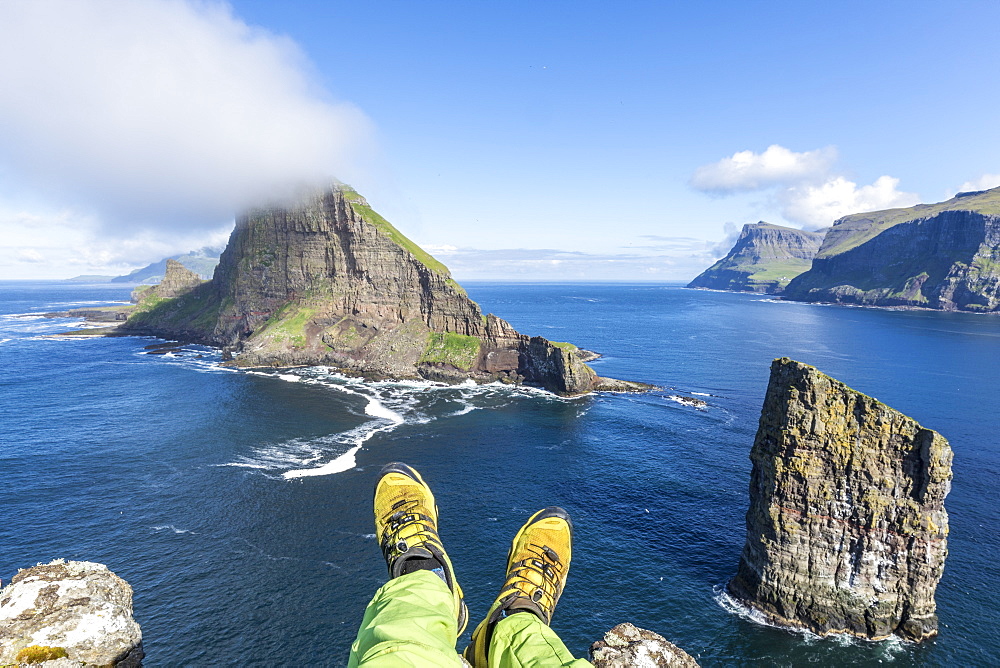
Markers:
point(852, 231)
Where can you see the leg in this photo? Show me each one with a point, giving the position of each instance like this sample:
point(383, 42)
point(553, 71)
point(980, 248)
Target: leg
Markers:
point(417, 616)
point(516, 633)
point(525, 641)
point(410, 621)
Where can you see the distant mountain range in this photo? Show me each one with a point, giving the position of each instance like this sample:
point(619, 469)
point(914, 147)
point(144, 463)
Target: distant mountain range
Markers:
point(201, 262)
point(941, 256)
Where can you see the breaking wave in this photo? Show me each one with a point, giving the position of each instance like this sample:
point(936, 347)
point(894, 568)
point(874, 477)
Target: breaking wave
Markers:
point(387, 405)
point(892, 646)
point(172, 528)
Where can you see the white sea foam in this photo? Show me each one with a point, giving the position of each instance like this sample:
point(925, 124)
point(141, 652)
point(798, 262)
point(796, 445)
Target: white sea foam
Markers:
point(345, 462)
point(376, 408)
point(892, 645)
point(171, 527)
point(686, 401)
point(701, 394)
point(23, 316)
point(392, 404)
point(59, 337)
point(79, 303)
point(467, 408)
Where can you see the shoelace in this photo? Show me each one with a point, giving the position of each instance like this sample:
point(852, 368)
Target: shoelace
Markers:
point(546, 563)
point(404, 517)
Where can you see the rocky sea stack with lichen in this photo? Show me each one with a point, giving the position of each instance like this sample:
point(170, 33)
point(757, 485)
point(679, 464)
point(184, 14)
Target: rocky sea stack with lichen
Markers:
point(327, 280)
point(847, 530)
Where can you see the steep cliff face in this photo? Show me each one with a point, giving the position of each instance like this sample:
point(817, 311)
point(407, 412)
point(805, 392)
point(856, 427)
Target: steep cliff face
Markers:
point(847, 530)
point(329, 281)
point(764, 259)
point(942, 256)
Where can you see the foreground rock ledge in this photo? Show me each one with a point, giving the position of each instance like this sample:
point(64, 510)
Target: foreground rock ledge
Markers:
point(847, 530)
point(76, 612)
point(627, 646)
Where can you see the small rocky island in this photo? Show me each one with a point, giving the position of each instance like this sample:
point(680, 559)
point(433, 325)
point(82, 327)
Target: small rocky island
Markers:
point(327, 280)
point(847, 530)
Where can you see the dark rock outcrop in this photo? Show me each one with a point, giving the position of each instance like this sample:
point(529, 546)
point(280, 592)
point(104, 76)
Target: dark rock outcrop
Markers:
point(97, 314)
point(201, 262)
point(627, 646)
point(764, 259)
point(329, 281)
point(846, 531)
point(77, 613)
point(177, 280)
point(942, 256)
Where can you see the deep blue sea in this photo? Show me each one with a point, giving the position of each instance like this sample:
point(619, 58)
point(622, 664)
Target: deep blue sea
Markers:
point(238, 504)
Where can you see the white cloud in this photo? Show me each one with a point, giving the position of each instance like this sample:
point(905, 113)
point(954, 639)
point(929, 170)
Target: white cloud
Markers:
point(29, 255)
point(61, 244)
point(746, 170)
point(803, 187)
point(818, 206)
point(984, 182)
point(722, 248)
point(160, 113)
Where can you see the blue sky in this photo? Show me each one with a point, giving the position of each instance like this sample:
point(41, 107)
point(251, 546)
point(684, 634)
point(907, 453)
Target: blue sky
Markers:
point(559, 140)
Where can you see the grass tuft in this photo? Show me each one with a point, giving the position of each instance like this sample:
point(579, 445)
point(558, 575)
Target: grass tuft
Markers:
point(458, 350)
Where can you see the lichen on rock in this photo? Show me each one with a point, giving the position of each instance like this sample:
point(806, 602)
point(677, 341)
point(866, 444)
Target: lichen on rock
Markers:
point(627, 646)
point(847, 530)
point(75, 613)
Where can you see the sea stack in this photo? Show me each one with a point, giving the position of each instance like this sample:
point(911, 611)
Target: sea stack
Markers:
point(327, 280)
point(177, 280)
point(847, 530)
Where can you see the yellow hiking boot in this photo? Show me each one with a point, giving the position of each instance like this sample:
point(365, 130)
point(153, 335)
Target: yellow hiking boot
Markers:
point(537, 566)
point(406, 528)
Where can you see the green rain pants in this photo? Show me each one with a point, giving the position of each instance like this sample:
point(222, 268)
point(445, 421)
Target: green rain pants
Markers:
point(411, 621)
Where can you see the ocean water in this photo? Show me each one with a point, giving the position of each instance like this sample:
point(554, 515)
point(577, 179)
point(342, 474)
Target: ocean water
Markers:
point(238, 504)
